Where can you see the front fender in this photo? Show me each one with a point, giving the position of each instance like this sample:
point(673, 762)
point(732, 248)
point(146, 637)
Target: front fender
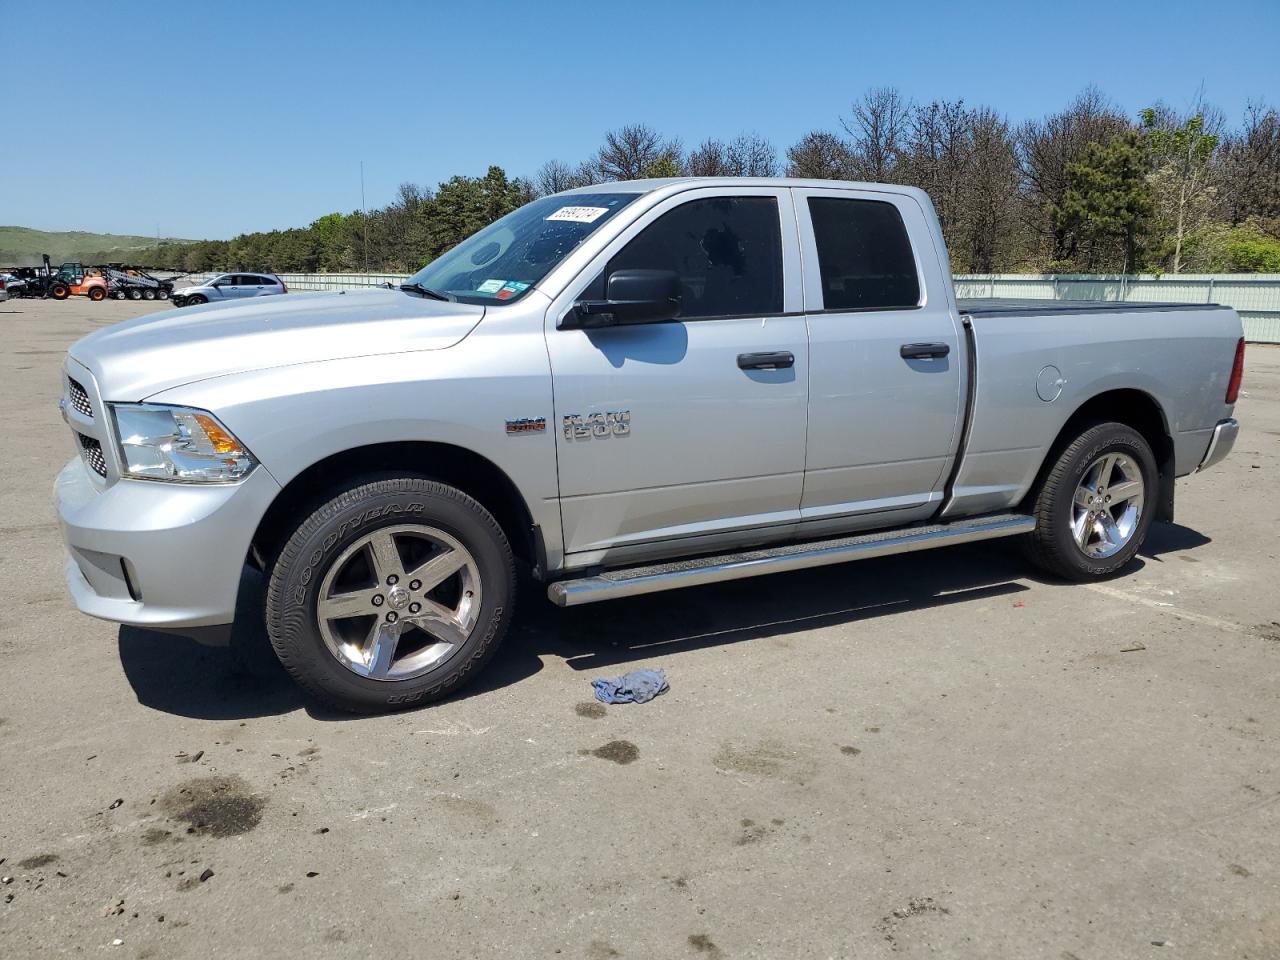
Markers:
point(293, 417)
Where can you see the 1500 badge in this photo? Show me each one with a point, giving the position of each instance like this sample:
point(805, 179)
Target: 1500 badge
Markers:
point(611, 423)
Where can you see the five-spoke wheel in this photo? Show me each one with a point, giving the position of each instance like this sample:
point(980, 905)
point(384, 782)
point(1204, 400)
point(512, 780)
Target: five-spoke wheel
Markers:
point(1091, 505)
point(392, 594)
point(399, 602)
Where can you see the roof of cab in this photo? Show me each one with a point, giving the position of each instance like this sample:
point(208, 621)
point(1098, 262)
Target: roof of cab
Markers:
point(675, 184)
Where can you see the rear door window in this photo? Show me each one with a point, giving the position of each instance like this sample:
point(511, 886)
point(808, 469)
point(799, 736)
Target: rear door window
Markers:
point(864, 255)
point(727, 252)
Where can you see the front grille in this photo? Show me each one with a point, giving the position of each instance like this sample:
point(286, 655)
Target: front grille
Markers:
point(91, 450)
point(80, 399)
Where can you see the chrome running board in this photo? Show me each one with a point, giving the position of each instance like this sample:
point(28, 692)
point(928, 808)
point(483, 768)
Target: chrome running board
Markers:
point(633, 581)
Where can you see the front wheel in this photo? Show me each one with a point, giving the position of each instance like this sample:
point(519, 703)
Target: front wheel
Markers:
point(97, 294)
point(59, 291)
point(1094, 507)
point(195, 300)
point(392, 594)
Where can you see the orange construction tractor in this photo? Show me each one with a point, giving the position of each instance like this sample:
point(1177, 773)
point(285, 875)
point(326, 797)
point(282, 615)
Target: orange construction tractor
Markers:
point(73, 280)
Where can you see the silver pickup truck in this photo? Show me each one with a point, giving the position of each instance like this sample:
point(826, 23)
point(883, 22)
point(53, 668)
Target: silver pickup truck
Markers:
point(630, 388)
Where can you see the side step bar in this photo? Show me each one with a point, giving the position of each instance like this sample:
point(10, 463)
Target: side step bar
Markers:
point(633, 581)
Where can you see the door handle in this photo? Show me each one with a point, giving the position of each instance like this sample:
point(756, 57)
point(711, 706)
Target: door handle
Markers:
point(778, 360)
point(924, 351)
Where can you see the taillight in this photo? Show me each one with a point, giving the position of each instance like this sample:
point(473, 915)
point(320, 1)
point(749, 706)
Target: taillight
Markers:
point(1237, 373)
point(284, 285)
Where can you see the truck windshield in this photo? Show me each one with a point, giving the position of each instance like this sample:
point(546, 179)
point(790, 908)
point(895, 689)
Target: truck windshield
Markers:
point(500, 263)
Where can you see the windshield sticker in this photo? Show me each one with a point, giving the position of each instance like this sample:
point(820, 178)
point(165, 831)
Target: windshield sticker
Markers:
point(490, 286)
point(511, 288)
point(579, 214)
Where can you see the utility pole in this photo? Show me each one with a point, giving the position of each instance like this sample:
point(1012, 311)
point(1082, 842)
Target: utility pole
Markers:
point(364, 216)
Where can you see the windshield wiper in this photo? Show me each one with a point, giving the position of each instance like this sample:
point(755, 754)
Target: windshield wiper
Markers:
point(425, 291)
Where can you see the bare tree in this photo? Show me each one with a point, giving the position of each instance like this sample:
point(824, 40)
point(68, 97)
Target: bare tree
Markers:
point(875, 130)
point(937, 157)
point(751, 155)
point(1250, 167)
point(629, 152)
point(990, 193)
point(708, 159)
point(820, 155)
point(552, 177)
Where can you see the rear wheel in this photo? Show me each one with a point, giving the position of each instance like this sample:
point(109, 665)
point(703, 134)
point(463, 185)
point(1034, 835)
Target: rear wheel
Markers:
point(392, 594)
point(162, 294)
point(135, 293)
point(1094, 507)
point(148, 294)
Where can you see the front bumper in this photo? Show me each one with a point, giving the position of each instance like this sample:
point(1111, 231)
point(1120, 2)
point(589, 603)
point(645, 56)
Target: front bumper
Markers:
point(156, 554)
point(1220, 444)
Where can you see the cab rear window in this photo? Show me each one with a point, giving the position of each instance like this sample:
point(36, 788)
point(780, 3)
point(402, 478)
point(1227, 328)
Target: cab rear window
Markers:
point(864, 255)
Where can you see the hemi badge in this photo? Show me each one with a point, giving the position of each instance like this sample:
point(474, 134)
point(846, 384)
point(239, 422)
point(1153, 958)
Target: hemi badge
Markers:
point(527, 425)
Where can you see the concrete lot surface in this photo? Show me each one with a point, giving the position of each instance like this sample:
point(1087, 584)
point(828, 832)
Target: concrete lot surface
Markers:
point(934, 755)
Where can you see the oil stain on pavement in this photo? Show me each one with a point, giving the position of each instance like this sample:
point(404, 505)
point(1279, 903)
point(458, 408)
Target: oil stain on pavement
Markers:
point(220, 806)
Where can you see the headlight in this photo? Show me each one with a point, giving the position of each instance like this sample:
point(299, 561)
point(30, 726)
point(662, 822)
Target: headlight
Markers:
point(178, 443)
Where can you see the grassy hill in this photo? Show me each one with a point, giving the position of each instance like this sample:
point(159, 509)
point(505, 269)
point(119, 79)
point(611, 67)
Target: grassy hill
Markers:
point(22, 246)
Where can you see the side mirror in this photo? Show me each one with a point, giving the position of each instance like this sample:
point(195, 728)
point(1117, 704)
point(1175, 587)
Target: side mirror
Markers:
point(632, 297)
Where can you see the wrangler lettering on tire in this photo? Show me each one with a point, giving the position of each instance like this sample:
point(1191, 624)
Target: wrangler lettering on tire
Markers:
point(392, 593)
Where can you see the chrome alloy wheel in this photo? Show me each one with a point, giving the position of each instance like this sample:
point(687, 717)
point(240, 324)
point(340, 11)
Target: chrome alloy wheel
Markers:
point(1107, 505)
point(399, 602)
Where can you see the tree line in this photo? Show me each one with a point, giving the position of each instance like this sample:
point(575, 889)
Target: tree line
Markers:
point(1084, 190)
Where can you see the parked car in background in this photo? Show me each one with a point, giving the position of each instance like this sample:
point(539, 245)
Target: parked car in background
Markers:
point(230, 286)
point(12, 285)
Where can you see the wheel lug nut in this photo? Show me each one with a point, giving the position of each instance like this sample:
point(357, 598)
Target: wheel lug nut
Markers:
point(377, 601)
point(392, 580)
point(415, 607)
point(415, 584)
point(392, 617)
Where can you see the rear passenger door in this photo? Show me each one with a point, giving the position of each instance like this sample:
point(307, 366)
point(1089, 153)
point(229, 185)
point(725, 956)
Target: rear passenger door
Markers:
point(884, 415)
point(676, 436)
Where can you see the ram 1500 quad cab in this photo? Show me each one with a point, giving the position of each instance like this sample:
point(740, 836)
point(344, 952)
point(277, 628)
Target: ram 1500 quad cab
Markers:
point(631, 387)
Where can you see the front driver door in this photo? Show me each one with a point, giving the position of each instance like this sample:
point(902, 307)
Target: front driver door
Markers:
point(671, 436)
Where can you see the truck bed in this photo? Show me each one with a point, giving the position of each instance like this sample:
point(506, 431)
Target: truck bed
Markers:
point(1011, 306)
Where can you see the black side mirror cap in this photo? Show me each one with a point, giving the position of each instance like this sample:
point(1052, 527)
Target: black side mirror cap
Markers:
point(632, 297)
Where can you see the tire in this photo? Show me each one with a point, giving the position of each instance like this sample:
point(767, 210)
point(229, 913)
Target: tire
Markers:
point(375, 542)
point(59, 291)
point(148, 294)
point(97, 294)
point(1095, 505)
point(135, 293)
point(162, 294)
point(195, 300)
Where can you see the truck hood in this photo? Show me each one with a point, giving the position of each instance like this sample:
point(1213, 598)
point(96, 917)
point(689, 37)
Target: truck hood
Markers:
point(138, 358)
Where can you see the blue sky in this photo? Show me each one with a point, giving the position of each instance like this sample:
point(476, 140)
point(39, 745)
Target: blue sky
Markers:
point(211, 121)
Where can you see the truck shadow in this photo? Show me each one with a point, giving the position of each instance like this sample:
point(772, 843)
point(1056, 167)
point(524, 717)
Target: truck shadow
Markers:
point(179, 676)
